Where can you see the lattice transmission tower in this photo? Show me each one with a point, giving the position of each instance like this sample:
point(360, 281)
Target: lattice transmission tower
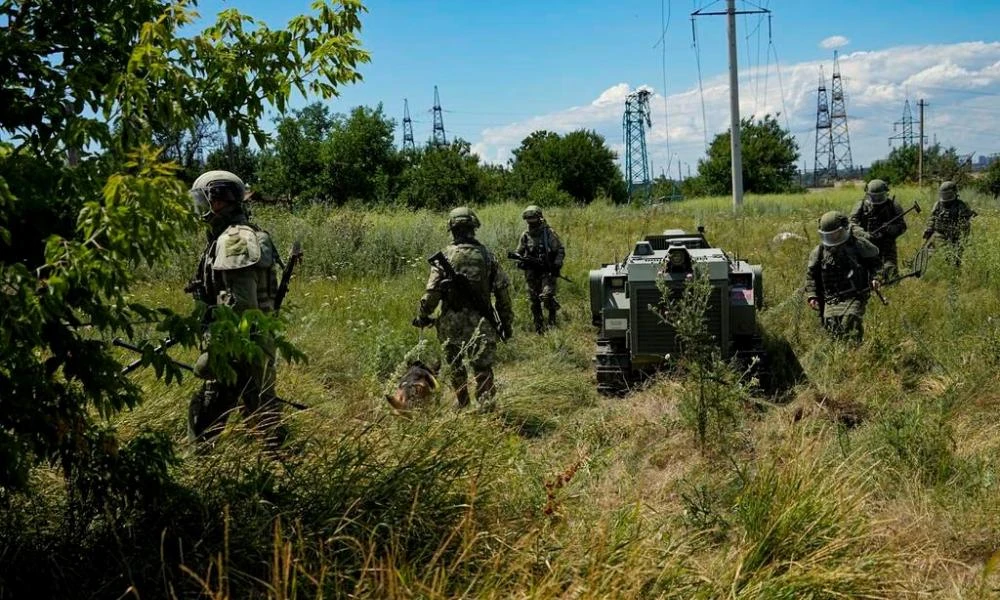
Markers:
point(904, 128)
point(438, 138)
point(839, 138)
point(407, 127)
point(823, 157)
point(634, 123)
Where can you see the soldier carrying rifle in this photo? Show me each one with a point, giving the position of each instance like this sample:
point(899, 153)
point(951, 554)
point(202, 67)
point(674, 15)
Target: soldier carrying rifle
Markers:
point(463, 278)
point(540, 255)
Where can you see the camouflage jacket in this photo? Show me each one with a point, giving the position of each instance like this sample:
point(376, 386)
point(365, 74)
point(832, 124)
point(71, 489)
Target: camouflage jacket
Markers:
point(951, 220)
point(869, 217)
point(238, 269)
point(543, 244)
point(840, 277)
point(481, 268)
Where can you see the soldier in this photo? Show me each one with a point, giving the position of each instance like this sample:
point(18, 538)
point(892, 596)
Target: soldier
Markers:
point(545, 252)
point(840, 276)
point(950, 222)
point(462, 328)
point(881, 219)
point(236, 269)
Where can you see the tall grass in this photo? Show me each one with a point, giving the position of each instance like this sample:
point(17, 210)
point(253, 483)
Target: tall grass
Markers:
point(874, 477)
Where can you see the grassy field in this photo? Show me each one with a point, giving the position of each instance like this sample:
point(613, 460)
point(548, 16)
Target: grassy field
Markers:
point(874, 478)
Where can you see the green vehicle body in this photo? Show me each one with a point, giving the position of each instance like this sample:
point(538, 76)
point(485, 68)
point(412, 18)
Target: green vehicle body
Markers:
point(632, 341)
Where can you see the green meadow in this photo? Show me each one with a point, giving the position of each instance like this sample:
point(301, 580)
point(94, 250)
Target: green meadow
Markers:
point(874, 477)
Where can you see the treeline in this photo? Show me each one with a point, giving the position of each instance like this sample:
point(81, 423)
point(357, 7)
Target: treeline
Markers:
point(317, 156)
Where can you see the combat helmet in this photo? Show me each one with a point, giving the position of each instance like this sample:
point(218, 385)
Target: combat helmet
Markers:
point(211, 183)
point(532, 212)
point(462, 217)
point(948, 191)
point(877, 191)
point(834, 228)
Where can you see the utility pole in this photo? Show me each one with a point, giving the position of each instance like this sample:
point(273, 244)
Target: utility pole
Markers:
point(734, 98)
point(839, 139)
point(823, 163)
point(920, 155)
point(438, 138)
point(905, 127)
point(634, 123)
point(407, 127)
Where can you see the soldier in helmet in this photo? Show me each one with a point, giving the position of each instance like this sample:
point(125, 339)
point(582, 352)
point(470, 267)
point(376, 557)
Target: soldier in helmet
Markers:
point(237, 269)
point(840, 276)
point(540, 244)
point(463, 330)
point(950, 222)
point(881, 219)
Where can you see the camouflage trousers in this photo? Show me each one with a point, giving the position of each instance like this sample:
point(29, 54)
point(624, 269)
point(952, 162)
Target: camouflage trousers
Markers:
point(252, 392)
point(468, 338)
point(845, 320)
point(889, 256)
point(949, 248)
point(542, 290)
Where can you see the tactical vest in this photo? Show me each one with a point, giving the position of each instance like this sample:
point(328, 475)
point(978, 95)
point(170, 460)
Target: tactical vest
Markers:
point(477, 264)
point(842, 274)
point(538, 244)
point(950, 218)
point(873, 216)
point(239, 248)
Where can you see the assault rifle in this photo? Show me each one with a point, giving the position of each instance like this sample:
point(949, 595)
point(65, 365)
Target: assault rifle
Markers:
point(463, 288)
point(294, 258)
point(915, 207)
point(135, 364)
point(537, 263)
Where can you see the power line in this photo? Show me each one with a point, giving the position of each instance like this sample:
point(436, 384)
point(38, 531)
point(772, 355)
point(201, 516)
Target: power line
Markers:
point(701, 89)
point(664, 24)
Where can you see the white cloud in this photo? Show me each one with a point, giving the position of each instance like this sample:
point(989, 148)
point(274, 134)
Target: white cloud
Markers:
point(960, 81)
point(834, 41)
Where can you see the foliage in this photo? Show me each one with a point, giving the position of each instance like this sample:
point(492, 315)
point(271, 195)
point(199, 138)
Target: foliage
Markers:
point(769, 157)
point(333, 158)
point(441, 176)
point(580, 163)
point(989, 183)
point(714, 393)
point(85, 198)
point(902, 166)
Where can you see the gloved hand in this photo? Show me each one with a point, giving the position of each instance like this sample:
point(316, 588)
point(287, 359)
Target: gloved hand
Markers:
point(422, 321)
point(506, 331)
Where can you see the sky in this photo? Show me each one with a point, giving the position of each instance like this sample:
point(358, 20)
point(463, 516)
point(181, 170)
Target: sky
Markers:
point(505, 69)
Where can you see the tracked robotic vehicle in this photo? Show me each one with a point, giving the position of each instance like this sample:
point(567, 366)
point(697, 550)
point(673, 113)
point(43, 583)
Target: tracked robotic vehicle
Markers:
point(633, 341)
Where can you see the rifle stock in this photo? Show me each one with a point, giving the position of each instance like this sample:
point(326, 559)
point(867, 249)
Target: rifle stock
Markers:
point(482, 305)
point(294, 257)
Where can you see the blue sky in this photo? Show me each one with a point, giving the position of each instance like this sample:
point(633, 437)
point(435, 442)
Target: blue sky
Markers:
point(506, 68)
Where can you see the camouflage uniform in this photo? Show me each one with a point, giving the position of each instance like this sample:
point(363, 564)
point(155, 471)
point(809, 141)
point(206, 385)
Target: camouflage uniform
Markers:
point(871, 214)
point(950, 221)
point(839, 275)
point(542, 244)
point(236, 269)
point(464, 333)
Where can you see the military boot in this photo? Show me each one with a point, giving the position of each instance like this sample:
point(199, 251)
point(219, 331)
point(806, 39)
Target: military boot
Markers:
point(485, 389)
point(462, 394)
point(552, 306)
point(536, 315)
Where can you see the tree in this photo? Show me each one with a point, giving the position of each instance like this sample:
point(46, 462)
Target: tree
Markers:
point(769, 156)
point(333, 158)
point(442, 176)
point(362, 156)
point(85, 196)
point(989, 183)
point(579, 163)
point(903, 166)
